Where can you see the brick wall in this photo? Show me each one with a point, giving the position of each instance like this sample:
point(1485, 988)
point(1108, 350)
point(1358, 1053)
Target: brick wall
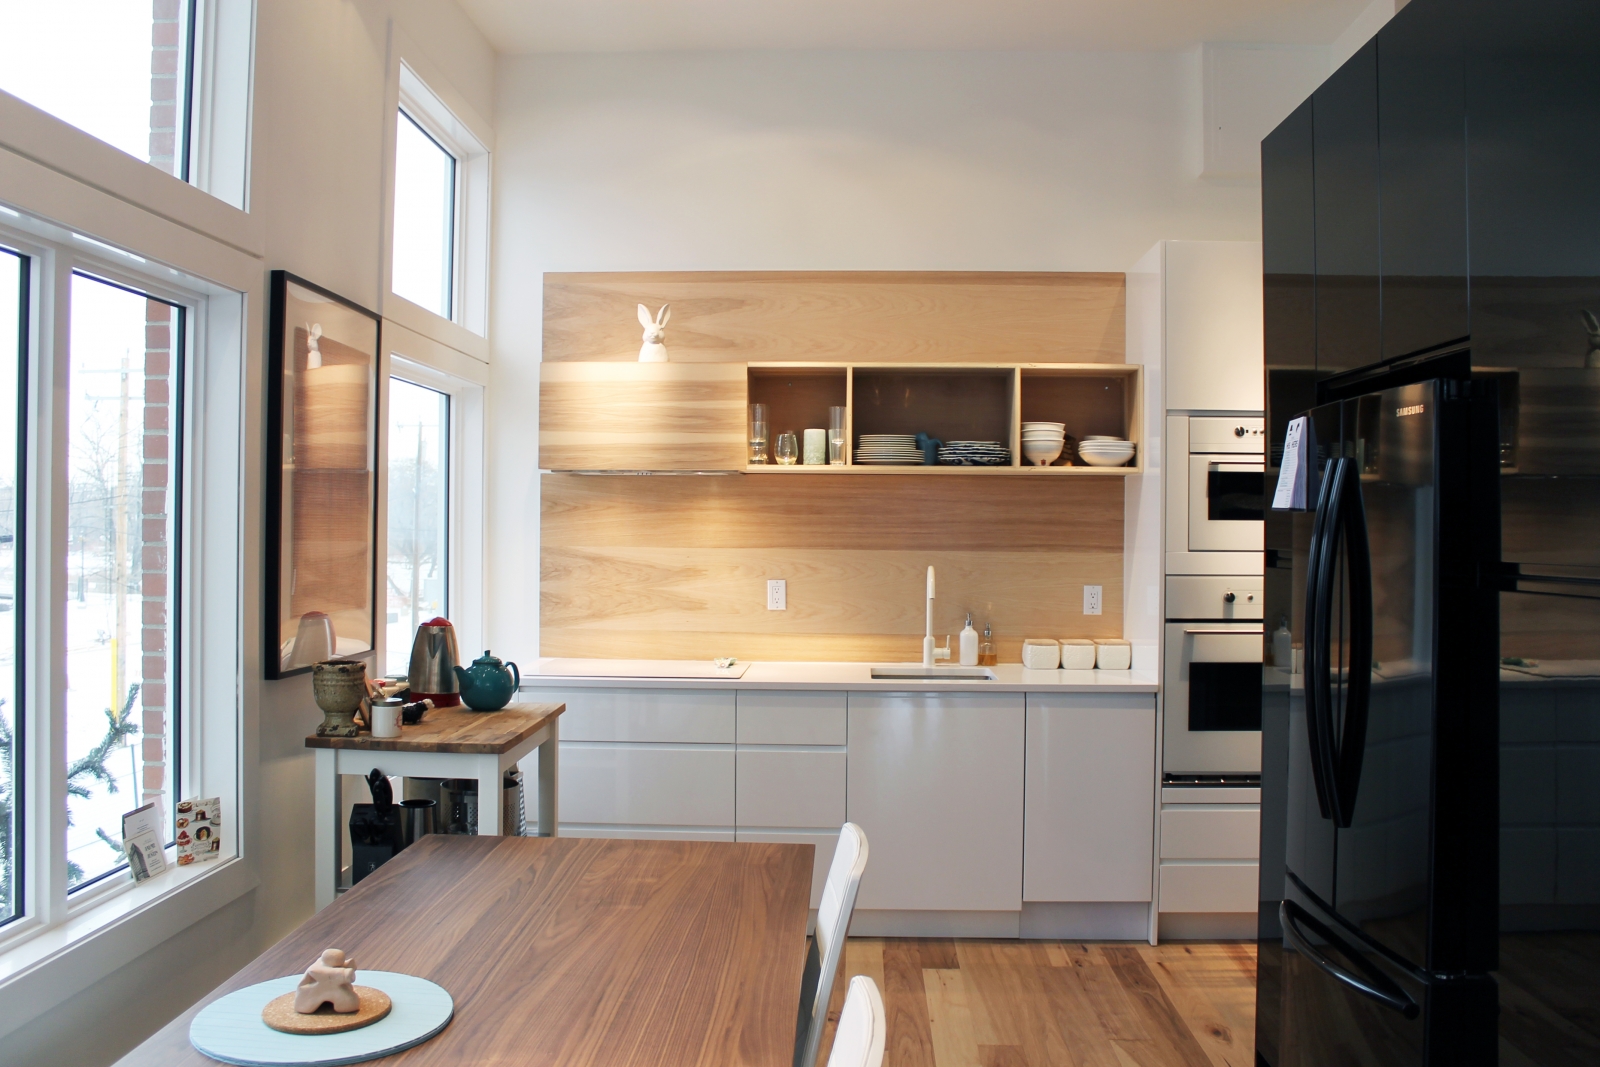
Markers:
point(166, 61)
point(154, 547)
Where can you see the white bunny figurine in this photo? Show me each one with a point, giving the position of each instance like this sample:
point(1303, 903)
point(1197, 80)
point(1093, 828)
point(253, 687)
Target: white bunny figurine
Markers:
point(655, 331)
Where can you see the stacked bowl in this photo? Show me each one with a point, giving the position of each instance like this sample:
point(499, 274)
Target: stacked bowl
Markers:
point(1042, 442)
point(1105, 451)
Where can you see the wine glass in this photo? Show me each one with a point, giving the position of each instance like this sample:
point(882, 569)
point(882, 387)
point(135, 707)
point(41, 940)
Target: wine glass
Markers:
point(787, 450)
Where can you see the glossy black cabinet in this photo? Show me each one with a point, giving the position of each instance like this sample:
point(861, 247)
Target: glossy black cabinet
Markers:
point(1348, 214)
point(1422, 162)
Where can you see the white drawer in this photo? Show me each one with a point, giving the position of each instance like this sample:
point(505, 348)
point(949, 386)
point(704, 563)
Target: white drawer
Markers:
point(647, 785)
point(1206, 597)
point(825, 844)
point(682, 716)
point(768, 717)
point(790, 787)
point(1221, 833)
point(1210, 887)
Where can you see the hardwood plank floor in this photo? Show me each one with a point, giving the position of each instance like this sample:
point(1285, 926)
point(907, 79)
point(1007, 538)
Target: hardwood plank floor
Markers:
point(1057, 1003)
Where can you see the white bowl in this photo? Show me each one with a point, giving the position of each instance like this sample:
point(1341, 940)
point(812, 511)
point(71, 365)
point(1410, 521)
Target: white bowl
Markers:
point(1043, 437)
point(1104, 461)
point(1102, 437)
point(1107, 450)
point(1045, 426)
point(1040, 452)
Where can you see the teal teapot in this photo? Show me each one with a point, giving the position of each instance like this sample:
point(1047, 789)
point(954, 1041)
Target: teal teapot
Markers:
point(487, 685)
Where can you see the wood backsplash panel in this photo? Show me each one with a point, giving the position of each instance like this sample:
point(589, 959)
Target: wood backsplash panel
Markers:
point(676, 567)
point(842, 316)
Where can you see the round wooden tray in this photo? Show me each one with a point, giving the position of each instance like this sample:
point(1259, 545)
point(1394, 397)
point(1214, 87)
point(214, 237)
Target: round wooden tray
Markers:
point(281, 1016)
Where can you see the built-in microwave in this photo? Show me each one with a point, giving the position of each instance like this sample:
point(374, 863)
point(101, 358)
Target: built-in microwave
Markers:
point(1216, 497)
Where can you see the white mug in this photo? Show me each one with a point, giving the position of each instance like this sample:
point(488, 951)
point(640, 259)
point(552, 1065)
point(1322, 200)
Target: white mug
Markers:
point(385, 720)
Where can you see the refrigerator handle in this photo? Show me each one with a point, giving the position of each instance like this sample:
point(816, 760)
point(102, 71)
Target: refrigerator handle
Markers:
point(1370, 983)
point(1347, 758)
point(1319, 640)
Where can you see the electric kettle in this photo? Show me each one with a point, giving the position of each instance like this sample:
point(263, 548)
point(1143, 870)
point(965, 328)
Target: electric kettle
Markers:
point(434, 658)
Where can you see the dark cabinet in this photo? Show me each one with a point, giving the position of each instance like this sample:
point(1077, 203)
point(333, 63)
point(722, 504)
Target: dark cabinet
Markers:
point(1348, 214)
point(1289, 267)
point(1422, 164)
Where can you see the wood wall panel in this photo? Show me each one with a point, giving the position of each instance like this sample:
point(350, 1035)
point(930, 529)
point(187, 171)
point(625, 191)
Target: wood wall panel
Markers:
point(843, 316)
point(641, 416)
point(676, 567)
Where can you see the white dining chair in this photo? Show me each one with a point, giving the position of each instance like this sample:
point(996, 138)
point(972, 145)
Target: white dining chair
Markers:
point(833, 922)
point(863, 1025)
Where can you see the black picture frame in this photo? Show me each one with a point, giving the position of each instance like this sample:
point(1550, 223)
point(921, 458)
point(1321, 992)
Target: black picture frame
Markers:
point(313, 478)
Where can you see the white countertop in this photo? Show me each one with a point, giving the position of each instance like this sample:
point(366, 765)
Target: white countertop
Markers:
point(694, 674)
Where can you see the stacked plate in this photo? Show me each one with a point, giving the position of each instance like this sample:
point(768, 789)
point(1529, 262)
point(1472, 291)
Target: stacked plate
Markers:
point(974, 454)
point(1042, 442)
point(888, 449)
point(1100, 451)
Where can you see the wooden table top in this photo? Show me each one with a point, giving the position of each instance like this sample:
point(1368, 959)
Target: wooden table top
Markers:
point(571, 951)
point(456, 730)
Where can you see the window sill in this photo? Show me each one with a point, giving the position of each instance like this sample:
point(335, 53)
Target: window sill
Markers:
point(51, 965)
point(420, 320)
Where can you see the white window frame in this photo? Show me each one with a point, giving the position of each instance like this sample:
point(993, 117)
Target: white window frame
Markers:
point(452, 124)
point(423, 361)
point(61, 943)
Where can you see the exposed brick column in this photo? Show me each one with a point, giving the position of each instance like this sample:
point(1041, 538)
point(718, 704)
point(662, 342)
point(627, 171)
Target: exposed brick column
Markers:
point(154, 548)
point(166, 61)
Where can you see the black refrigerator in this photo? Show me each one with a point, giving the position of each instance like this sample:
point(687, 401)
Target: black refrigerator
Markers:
point(1388, 907)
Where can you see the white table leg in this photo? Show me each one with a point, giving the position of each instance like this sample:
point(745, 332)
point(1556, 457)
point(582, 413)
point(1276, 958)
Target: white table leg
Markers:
point(327, 827)
point(549, 783)
point(491, 797)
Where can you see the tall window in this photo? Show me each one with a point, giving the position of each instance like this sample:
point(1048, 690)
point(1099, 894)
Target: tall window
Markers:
point(424, 219)
point(13, 323)
point(123, 451)
point(419, 513)
point(118, 69)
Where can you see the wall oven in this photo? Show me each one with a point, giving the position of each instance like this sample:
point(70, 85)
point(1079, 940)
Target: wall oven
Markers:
point(1212, 689)
point(1216, 501)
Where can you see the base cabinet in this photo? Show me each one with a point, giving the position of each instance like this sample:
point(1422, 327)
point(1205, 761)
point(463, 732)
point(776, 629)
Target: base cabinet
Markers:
point(935, 780)
point(1090, 797)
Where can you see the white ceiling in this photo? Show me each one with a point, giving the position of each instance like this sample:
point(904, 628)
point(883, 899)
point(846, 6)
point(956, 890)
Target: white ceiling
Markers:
point(524, 26)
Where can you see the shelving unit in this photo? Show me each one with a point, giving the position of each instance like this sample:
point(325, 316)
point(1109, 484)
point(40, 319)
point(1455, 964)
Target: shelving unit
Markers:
point(953, 402)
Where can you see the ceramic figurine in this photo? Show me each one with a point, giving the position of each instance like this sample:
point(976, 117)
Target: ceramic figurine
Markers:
point(313, 351)
point(655, 332)
point(339, 686)
point(488, 685)
point(1591, 359)
point(328, 981)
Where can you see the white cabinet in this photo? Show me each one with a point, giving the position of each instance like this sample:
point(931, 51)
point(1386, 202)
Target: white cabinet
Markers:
point(776, 717)
point(684, 716)
point(1210, 841)
point(935, 780)
point(1210, 888)
point(1222, 832)
point(1090, 797)
point(646, 785)
point(1213, 333)
point(798, 788)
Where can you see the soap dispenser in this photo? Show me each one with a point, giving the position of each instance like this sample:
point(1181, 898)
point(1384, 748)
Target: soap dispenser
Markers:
point(986, 654)
point(969, 644)
point(1282, 646)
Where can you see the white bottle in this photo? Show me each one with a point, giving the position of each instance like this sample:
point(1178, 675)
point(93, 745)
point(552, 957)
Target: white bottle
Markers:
point(1282, 652)
point(969, 645)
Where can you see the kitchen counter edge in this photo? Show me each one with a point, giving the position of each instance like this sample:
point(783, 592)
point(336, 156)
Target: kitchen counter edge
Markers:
point(1009, 678)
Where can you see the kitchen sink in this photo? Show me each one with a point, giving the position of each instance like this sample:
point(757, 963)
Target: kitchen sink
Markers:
point(932, 674)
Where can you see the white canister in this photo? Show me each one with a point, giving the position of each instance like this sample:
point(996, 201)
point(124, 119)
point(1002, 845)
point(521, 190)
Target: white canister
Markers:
point(385, 718)
point(1041, 654)
point(1113, 655)
point(815, 449)
point(1077, 654)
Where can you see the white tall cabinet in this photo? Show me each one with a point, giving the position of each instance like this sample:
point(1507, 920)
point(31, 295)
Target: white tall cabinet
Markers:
point(935, 780)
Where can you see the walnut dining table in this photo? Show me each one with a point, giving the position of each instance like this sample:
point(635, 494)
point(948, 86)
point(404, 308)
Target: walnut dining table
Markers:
point(448, 743)
point(578, 952)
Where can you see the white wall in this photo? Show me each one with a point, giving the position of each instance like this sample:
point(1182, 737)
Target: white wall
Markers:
point(1363, 29)
point(825, 161)
point(320, 125)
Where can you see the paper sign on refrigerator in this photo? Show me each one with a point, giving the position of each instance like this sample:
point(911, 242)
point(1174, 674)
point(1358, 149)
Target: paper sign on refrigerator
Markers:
point(1294, 469)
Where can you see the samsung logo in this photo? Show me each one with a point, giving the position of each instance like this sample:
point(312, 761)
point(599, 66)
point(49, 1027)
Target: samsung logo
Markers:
point(1414, 409)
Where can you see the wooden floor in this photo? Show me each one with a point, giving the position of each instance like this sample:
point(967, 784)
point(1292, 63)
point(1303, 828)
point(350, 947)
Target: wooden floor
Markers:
point(1058, 1004)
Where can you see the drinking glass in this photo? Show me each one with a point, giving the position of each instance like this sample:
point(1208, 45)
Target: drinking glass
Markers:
point(788, 449)
point(758, 433)
point(836, 436)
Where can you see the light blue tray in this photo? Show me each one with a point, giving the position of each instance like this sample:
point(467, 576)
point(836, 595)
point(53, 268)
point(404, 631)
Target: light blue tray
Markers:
point(230, 1028)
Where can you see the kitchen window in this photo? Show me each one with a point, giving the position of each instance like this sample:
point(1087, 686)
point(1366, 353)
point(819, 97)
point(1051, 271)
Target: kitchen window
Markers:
point(13, 332)
point(121, 70)
point(439, 233)
point(418, 586)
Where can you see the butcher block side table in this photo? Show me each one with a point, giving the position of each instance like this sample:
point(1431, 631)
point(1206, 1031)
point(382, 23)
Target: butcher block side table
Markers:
point(447, 743)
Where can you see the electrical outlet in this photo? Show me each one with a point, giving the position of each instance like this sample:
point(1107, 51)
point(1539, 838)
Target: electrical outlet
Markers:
point(777, 594)
point(1091, 599)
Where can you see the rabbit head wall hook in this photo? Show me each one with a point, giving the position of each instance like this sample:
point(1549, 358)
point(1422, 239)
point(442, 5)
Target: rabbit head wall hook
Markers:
point(655, 332)
point(1591, 359)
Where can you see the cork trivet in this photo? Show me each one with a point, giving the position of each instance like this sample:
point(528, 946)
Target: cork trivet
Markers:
point(280, 1014)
